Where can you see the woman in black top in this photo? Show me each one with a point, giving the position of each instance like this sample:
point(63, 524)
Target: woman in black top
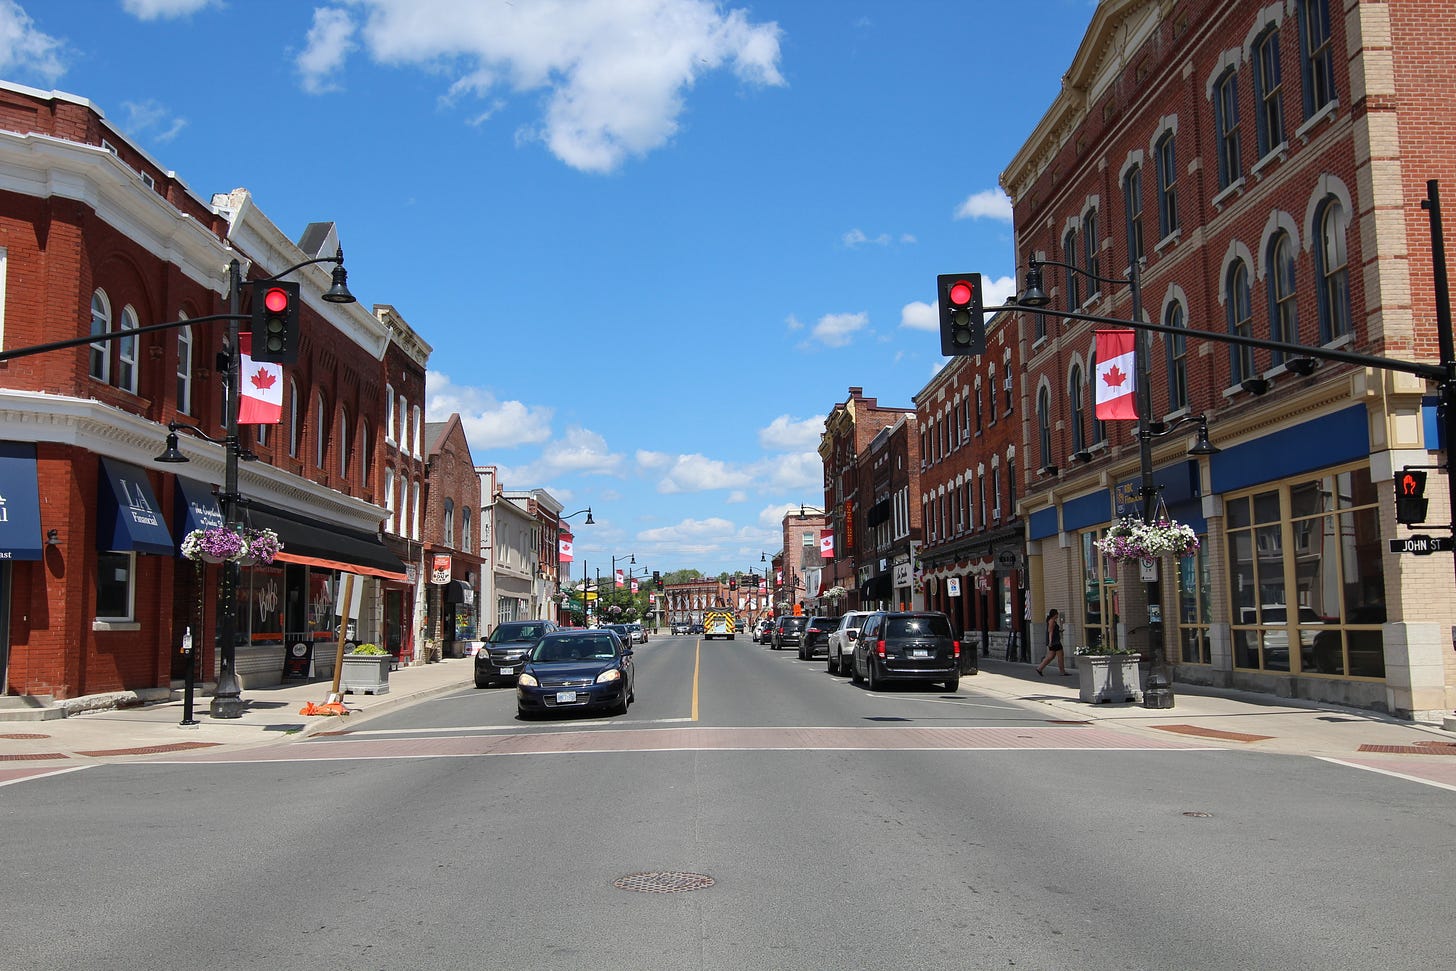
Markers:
point(1054, 643)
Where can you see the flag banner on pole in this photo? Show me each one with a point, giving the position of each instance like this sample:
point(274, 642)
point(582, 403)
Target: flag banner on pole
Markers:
point(1116, 375)
point(565, 552)
point(620, 579)
point(261, 398)
point(826, 544)
point(634, 584)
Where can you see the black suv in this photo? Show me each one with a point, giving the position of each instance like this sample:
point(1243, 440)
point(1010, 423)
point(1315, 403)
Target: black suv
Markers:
point(906, 646)
point(788, 629)
point(816, 636)
point(502, 656)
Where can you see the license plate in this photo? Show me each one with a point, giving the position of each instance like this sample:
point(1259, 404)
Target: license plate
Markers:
point(565, 697)
point(507, 670)
point(919, 653)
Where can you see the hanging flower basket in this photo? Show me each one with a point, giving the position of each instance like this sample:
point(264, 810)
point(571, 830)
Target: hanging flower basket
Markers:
point(262, 546)
point(216, 545)
point(1133, 539)
point(836, 593)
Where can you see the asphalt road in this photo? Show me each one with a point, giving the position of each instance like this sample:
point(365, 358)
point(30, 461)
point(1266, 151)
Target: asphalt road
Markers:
point(839, 828)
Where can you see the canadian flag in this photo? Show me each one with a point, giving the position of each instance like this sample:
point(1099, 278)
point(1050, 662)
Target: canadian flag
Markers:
point(634, 584)
point(565, 552)
point(826, 544)
point(620, 578)
point(1116, 375)
point(261, 401)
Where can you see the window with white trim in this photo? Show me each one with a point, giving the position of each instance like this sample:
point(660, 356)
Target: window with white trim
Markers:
point(100, 325)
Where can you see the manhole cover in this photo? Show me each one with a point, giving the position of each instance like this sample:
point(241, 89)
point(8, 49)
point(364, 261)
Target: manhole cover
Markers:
point(663, 882)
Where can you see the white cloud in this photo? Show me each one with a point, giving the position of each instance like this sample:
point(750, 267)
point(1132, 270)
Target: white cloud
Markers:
point(736, 496)
point(653, 460)
point(857, 237)
point(783, 434)
point(838, 330)
point(25, 50)
point(489, 423)
point(801, 470)
point(165, 9)
point(698, 473)
point(794, 323)
point(614, 74)
point(330, 41)
point(692, 537)
point(919, 316)
point(145, 116)
point(990, 204)
point(579, 451)
point(995, 292)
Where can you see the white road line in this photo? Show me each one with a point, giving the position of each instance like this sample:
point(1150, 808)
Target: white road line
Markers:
point(508, 729)
point(1396, 775)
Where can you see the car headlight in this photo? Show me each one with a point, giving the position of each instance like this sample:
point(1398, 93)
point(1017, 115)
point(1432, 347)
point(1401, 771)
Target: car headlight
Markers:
point(528, 681)
point(611, 674)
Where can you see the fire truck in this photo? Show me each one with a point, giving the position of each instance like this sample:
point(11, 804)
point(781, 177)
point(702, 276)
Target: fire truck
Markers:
point(718, 622)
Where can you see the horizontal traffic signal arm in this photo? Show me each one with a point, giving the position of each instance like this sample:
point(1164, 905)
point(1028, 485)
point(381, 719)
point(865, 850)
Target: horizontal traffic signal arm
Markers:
point(113, 335)
point(1435, 372)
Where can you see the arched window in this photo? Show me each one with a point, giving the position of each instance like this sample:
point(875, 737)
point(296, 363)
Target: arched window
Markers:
point(1075, 394)
point(1167, 186)
point(1283, 319)
point(1331, 263)
point(295, 420)
point(1044, 425)
point(1099, 427)
point(184, 369)
point(1240, 321)
point(418, 432)
point(126, 351)
point(1269, 122)
point(1176, 346)
point(320, 430)
point(1089, 249)
point(389, 412)
point(366, 454)
point(465, 535)
point(1069, 254)
point(1226, 128)
point(414, 510)
point(100, 324)
point(450, 523)
point(389, 501)
point(344, 443)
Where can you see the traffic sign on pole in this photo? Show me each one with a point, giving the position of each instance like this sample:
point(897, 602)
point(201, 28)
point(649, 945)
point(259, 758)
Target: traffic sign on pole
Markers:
point(1422, 545)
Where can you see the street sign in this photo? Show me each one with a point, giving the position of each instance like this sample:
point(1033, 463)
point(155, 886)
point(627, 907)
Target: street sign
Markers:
point(1422, 545)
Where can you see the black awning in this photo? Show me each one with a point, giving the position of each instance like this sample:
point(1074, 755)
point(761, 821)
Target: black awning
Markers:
point(318, 542)
point(458, 592)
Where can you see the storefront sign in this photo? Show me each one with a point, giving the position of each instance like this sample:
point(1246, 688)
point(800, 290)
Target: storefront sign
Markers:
point(952, 586)
point(440, 568)
point(298, 657)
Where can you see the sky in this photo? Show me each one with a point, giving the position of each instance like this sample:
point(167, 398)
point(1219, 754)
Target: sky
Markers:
point(652, 243)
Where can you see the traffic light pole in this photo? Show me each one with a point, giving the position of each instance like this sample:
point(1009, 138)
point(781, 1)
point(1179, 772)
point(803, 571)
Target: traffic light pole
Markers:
point(1446, 406)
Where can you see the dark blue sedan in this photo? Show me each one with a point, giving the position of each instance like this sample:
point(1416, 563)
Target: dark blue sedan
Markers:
point(577, 670)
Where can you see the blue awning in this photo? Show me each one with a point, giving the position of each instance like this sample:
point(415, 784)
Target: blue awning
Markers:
point(19, 503)
point(128, 516)
point(197, 507)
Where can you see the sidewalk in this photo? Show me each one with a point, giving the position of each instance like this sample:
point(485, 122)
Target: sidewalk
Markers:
point(270, 715)
point(1233, 719)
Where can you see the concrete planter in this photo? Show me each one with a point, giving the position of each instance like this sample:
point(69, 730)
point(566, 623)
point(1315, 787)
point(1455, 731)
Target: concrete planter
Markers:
point(1109, 678)
point(365, 673)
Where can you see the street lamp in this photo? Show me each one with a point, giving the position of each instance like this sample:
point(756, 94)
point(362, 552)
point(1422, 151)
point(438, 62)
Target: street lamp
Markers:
point(1159, 692)
point(227, 698)
point(587, 522)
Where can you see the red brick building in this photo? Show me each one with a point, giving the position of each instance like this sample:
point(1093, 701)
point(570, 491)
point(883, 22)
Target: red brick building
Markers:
point(96, 238)
point(970, 433)
point(451, 538)
point(1263, 166)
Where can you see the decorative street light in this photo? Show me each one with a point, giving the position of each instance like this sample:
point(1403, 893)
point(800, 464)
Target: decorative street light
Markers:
point(587, 522)
point(227, 698)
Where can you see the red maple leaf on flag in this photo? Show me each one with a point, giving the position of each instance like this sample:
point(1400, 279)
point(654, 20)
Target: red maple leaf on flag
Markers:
point(1114, 377)
point(263, 379)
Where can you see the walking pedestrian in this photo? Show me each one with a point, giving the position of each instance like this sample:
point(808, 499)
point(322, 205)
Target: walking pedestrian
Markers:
point(1054, 643)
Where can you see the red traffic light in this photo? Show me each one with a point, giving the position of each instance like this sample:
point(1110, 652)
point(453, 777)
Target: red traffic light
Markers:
point(276, 300)
point(961, 293)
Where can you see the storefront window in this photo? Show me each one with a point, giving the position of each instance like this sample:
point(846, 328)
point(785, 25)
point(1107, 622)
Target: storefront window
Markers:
point(114, 586)
point(1099, 595)
point(1313, 543)
point(1193, 607)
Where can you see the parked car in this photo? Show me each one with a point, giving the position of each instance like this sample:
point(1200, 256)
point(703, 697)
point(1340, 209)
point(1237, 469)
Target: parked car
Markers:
point(680, 628)
point(577, 670)
point(788, 629)
point(759, 628)
point(841, 641)
point(638, 632)
point(906, 646)
point(816, 636)
point(501, 657)
point(620, 630)
point(695, 628)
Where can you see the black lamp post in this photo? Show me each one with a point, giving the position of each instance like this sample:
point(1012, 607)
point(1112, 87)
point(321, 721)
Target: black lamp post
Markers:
point(227, 699)
point(1159, 691)
point(587, 522)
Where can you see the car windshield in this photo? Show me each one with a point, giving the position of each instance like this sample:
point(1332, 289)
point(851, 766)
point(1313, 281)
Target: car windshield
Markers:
point(585, 648)
point(931, 626)
point(794, 623)
point(517, 632)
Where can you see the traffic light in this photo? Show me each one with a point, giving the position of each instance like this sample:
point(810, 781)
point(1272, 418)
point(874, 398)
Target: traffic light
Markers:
point(733, 582)
point(1410, 497)
point(962, 321)
point(657, 579)
point(275, 322)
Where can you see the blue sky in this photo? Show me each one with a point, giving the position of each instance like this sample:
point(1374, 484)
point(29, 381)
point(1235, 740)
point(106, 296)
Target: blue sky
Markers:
point(652, 242)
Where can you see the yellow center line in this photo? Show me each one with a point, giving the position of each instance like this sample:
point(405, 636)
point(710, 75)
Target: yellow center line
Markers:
point(697, 660)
